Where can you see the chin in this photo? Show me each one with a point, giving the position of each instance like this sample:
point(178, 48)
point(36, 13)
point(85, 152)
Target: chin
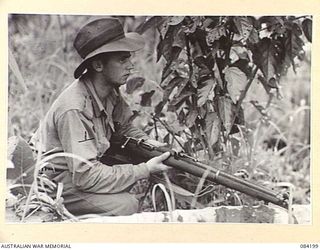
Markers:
point(118, 84)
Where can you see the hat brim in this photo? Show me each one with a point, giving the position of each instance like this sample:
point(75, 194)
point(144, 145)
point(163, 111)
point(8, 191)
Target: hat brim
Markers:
point(131, 42)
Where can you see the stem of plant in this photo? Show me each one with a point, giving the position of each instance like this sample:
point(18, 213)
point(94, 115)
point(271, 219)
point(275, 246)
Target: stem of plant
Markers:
point(243, 95)
point(155, 128)
point(166, 126)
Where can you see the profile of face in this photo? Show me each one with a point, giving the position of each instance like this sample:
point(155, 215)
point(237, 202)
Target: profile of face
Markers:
point(115, 67)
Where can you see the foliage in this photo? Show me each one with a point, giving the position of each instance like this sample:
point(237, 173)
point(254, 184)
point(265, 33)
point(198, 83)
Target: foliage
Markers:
point(213, 87)
point(210, 63)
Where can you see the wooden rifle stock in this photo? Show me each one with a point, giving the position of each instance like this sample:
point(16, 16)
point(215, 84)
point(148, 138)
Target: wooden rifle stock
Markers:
point(138, 148)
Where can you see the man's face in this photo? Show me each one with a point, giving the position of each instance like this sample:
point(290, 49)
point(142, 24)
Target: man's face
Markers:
point(117, 67)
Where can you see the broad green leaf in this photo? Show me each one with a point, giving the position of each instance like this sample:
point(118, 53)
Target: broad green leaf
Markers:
point(191, 118)
point(181, 85)
point(166, 45)
point(239, 52)
point(279, 20)
point(236, 82)
point(179, 39)
point(265, 57)
point(167, 70)
point(164, 49)
point(194, 22)
point(175, 20)
point(235, 144)
point(273, 23)
point(21, 155)
point(244, 66)
point(169, 67)
point(207, 22)
point(207, 91)
point(307, 28)
point(246, 29)
point(196, 51)
point(215, 33)
point(134, 83)
point(264, 83)
point(170, 48)
point(244, 26)
point(217, 75)
point(158, 108)
point(146, 98)
point(213, 127)
point(254, 36)
point(181, 116)
point(166, 139)
point(175, 82)
point(294, 44)
point(177, 99)
point(154, 21)
point(226, 112)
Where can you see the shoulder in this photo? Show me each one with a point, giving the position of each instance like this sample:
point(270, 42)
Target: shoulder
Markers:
point(73, 97)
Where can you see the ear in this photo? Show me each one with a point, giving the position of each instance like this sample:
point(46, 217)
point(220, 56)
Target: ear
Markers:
point(97, 65)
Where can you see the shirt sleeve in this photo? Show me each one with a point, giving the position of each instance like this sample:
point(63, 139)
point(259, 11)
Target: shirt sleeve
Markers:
point(76, 138)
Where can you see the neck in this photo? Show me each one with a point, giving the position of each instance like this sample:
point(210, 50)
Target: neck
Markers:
point(102, 87)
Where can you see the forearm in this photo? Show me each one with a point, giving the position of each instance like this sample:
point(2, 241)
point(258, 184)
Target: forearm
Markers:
point(101, 178)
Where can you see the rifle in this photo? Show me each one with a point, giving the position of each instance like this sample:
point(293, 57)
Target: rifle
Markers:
point(138, 148)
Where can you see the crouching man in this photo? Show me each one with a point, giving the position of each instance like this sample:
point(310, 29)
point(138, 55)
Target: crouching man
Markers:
point(83, 118)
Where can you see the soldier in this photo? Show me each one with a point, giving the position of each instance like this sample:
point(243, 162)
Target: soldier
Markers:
point(83, 118)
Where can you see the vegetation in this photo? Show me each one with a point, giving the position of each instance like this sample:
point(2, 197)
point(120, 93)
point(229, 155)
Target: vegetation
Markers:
point(231, 91)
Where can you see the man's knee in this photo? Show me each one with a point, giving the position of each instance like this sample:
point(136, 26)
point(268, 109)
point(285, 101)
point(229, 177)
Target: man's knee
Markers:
point(107, 204)
point(127, 205)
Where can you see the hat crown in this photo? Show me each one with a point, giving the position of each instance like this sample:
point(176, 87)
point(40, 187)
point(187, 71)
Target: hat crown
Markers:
point(97, 33)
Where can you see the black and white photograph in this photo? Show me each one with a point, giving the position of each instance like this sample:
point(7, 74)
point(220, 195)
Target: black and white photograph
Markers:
point(159, 119)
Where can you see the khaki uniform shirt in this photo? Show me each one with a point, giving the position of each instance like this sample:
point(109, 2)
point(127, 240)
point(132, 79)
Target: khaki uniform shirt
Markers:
point(79, 122)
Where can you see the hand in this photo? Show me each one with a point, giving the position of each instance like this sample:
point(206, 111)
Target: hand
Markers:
point(156, 143)
point(155, 164)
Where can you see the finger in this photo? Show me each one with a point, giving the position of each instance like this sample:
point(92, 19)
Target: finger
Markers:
point(167, 168)
point(164, 167)
point(163, 157)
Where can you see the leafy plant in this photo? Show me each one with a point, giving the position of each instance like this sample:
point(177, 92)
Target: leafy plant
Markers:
point(210, 63)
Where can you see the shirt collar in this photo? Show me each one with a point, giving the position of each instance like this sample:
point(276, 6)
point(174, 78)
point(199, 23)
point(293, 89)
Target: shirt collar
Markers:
point(98, 106)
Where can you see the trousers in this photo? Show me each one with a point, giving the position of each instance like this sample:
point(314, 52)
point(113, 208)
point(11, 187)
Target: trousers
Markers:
point(79, 203)
point(124, 203)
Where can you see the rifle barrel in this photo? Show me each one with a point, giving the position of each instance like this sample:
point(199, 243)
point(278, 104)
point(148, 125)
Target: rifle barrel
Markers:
point(137, 148)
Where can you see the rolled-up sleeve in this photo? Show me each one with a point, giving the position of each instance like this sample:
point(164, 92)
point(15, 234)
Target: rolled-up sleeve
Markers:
point(76, 136)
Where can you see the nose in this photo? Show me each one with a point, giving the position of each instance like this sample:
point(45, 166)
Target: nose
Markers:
point(130, 65)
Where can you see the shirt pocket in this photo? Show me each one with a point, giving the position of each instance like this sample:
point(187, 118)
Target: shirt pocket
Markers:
point(100, 134)
point(94, 134)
